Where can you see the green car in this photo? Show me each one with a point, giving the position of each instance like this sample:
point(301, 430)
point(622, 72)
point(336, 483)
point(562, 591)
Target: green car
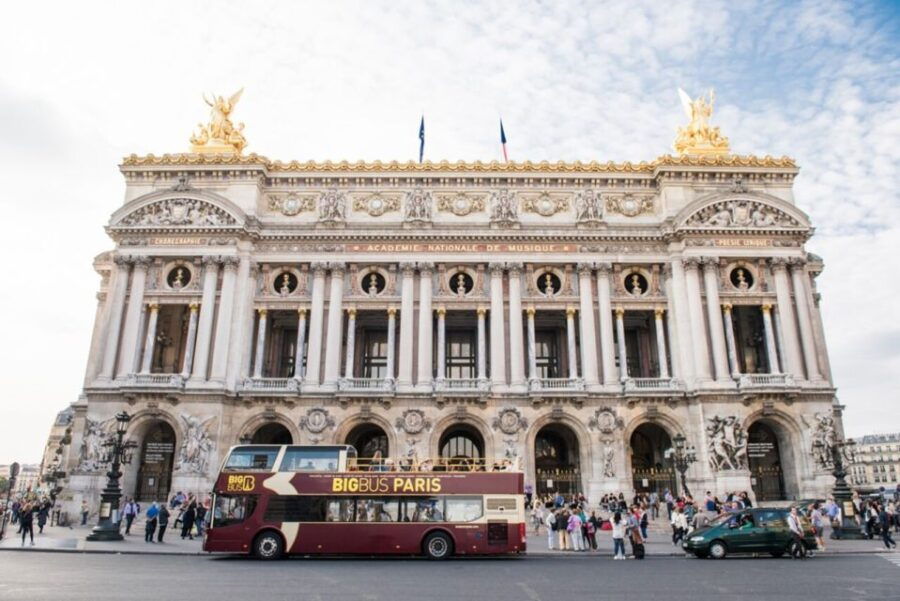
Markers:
point(757, 530)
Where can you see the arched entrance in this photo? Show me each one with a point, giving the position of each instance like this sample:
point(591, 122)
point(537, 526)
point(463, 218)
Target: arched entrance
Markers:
point(766, 467)
point(156, 457)
point(556, 461)
point(368, 439)
point(651, 470)
point(273, 433)
point(462, 447)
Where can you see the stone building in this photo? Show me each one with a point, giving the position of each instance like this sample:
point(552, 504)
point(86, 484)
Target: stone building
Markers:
point(876, 462)
point(574, 318)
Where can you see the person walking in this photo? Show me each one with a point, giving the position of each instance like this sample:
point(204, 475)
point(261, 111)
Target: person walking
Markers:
point(85, 512)
point(162, 520)
point(885, 519)
point(798, 547)
point(618, 536)
point(562, 522)
point(550, 521)
point(150, 526)
point(679, 525)
point(130, 511)
point(574, 528)
point(187, 519)
point(26, 521)
point(818, 524)
point(200, 519)
point(43, 512)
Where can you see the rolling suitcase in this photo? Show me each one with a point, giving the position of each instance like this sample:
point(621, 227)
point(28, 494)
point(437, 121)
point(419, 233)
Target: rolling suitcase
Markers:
point(639, 551)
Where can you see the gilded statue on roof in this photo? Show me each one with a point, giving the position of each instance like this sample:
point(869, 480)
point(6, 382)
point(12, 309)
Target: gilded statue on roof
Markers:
point(220, 135)
point(698, 137)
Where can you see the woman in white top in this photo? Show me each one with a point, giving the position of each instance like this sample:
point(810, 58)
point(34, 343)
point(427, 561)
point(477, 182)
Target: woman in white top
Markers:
point(618, 534)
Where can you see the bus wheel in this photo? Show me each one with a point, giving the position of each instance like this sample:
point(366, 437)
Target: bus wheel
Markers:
point(438, 546)
point(268, 545)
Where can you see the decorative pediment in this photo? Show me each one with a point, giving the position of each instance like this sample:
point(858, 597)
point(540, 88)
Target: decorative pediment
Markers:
point(744, 211)
point(178, 212)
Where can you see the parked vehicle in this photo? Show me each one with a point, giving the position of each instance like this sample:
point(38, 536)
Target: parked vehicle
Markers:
point(757, 530)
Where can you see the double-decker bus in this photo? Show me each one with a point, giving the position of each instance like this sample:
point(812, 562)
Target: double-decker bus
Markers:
point(275, 500)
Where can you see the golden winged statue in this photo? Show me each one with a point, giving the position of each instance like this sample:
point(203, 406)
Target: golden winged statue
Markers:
point(698, 137)
point(220, 135)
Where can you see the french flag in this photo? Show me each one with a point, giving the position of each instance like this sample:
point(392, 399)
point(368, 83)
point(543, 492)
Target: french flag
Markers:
point(503, 142)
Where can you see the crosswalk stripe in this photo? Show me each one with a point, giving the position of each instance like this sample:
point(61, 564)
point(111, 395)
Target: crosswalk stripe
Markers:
point(894, 558)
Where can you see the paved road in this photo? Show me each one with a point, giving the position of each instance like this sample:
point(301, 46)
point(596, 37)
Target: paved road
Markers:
point(76, 577)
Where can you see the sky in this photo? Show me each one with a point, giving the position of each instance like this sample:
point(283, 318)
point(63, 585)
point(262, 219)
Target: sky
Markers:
point(84, 84)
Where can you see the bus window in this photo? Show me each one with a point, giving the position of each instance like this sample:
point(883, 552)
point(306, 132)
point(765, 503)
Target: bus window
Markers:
point(244, 459)
point(297, 459)
point(229, 510)
point(296, 509)
point(463, 509)
point(340, 510)
point(422, 509)
point(377, 510)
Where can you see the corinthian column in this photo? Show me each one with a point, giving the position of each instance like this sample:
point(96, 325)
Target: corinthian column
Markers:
point(191, 341)
point(223, 323)
point(114, 323)
point(661, 343)
point(351, 343)
point(391, 343)
point(260, 356)
point(714, 317)
point(407, 300)
point(620, 335)
point(771, 345)
point(498, 338)
point(572, 348)
point(150, 339)
point(482, 344)
point(301, 343)
point(207, 309)
point(793, 361)
point(131, 333)
point(516, 343)
point(729, 338)
point(316, 324)
point(532, 346)
point(679, 322)
point(607, 349)
point(335, 326)
point(588, 333)
point(426, 327)
point(804, 318)
point(695, 312)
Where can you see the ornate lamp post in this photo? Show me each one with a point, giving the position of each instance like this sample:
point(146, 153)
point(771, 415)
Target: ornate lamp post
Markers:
point(841, 450)
point(11, 484)
point(683, 455)
point(118, 453)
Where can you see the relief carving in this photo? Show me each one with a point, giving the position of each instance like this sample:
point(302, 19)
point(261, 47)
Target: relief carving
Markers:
point(179, 211)
point(742, 213)
point(629, 205)
point(198, 443)
point(292, 204)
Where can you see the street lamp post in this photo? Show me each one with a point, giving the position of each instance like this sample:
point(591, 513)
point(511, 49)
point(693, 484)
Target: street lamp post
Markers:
point(118, 453)
point(841, 492)
point(683, 456)
point(11, 484)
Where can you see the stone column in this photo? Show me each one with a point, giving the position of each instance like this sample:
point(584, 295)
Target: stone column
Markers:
point(695, 312)
point(714, 317)
point(498, 335)
point(680, 322)
point(150, 339)
point(114, 323)
point(729, 339)
point(441, 343)
point(426, 327)
point(391, 342)
point(482, 344)
point(207, 310)
point(351, 343)
point(407, 300)
point(335, 326)
point(620, 334)
point(804, 318)
point(142, 323)
point(516, 342)
point(191, 341)
point(572, 348)
point(532, 346)
point(771, 345)
point(301, 343)
point(779, 340)
point(223, 323)
point(316, 325)
point(793, 361)
point(241, 336)
point(588, 332)
point(131, 334)
point(661, 343)
point(607, 349)
point(260, 356)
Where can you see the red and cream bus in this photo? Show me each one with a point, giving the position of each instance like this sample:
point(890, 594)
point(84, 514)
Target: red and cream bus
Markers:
point(275, 500)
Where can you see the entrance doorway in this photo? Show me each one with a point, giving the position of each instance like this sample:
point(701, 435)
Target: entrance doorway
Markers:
point(462, 447)
point(273, 433)
point(369, 441)
point(155, 472)
point(651, 470)
point(556, 461)
point(764, 456)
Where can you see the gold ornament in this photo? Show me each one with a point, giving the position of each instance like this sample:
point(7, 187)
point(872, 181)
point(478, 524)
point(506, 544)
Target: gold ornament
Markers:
point(698, 137)
point(220, 135)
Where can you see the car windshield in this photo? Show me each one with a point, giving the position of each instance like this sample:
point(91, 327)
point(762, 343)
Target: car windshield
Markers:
point(721, 519)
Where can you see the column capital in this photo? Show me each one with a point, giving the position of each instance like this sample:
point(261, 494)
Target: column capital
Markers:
point(209, 260)
point(604, 268)
point(767, 308)
point(408, 268)
point(496, 268)
point(797, 263)
point(441, 311)
point(584, 268)
point(122, 260)
point(194, 307)
point(571, 311)
point(481, 310)
point(619, 311)
point(659, 312)
point(153, 307)
point(711, 264)
point(530, 311)
point(351, 312)
point(301, 311)
point(778, 263)
point(726, 307)
point(230, 263)
point(262, 311)
point(337, 268)
point(692, 262)
point(391, 311)
point(425, 267)
point(318, 268)
point(515, 269)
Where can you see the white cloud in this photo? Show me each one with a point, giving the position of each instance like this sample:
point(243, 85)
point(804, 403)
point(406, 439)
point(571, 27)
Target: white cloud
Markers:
point(84, 84)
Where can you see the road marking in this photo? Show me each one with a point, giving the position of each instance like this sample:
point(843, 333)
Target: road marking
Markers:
point(894, 558)
point(532, 594)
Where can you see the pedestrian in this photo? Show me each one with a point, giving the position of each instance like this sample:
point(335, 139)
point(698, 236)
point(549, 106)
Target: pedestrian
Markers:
point(550, 522)
point(818, 524)
point(187, 519)
point(885, 518)
point(536, 518)
point(200, 519)
point(162, 520)
point(798, 547)
point(594, 525)
point(42, 513)
point(150, 526)
point(529, 493)
point(679, 525)
point(618, 536)
point(85, 512)
point(131, 511)
point(574, 529)
point(26, 521)
point(562, 522)
point(643, 522)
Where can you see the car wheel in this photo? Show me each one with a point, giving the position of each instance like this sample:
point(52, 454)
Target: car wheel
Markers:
point(776, 553)
point(438, 545)
point(717, 550)
point(268, 545)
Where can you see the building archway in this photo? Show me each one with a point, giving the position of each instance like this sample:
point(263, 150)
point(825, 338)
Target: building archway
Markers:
point(557, 465)
point(369, 440)
point(461, 446)
point(157, 454)
point(651, 469)
point(771, 478)
point(272, 433)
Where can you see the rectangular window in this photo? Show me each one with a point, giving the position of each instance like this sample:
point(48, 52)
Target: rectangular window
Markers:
point(460, 351)
point(377, 510)
point(296, 509)
point(341, 510)
point(546, 353)
point(229, 510)
point(422, 509)
point(375, 351)
point(309, 460)
point(463, 509)
point(257, 458)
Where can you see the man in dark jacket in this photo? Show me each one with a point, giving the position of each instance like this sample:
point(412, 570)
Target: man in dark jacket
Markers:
point(885, 518)
point(163, 521)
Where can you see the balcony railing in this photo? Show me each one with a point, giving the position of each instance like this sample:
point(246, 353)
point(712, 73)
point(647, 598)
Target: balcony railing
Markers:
point(650, 384)
point(271, 385)
point(461, 384)
point(765, 380)
point(366, 384)
point(155, 380)
point(556, 384)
